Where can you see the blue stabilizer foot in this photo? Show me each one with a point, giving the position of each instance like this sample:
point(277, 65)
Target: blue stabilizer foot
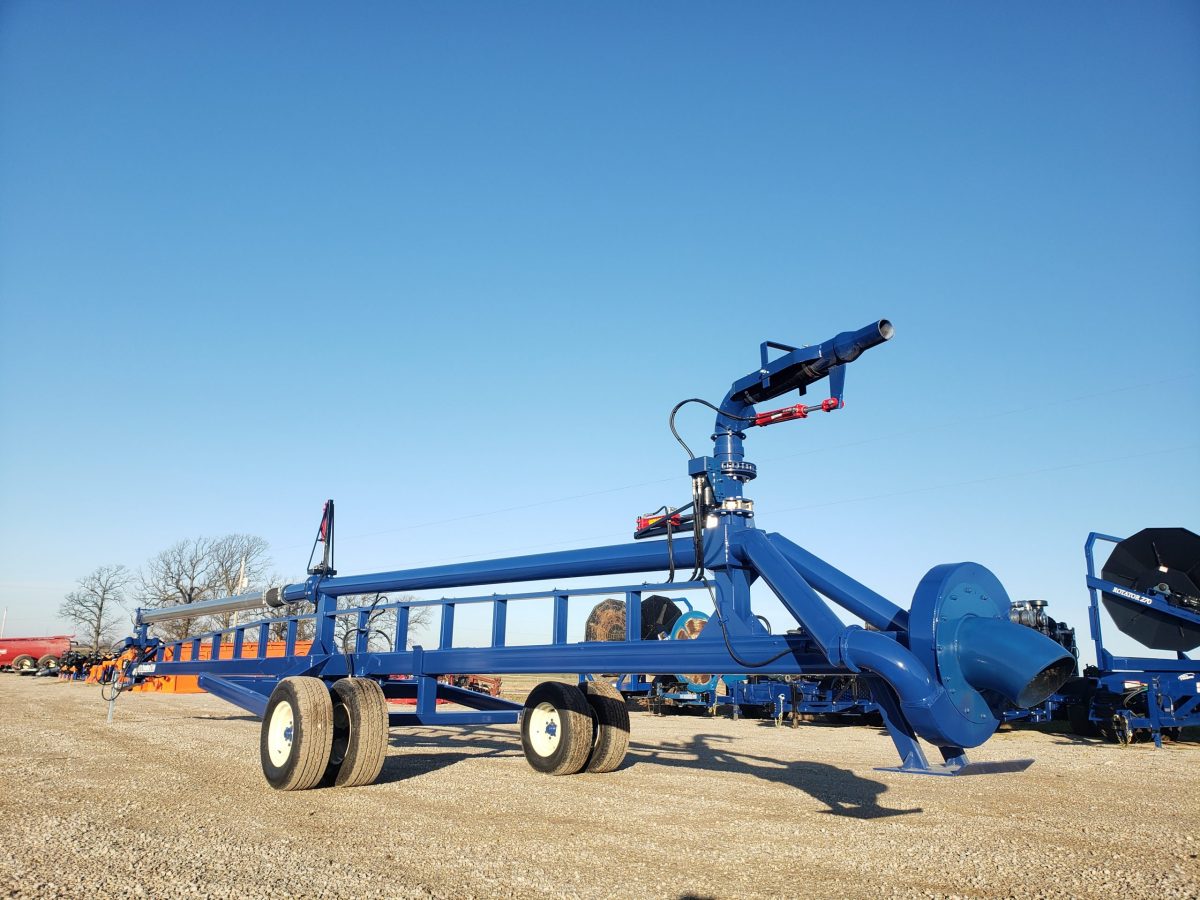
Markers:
point(962, 767)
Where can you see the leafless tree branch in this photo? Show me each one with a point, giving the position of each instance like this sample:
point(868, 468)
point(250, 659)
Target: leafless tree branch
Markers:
point(94, 607)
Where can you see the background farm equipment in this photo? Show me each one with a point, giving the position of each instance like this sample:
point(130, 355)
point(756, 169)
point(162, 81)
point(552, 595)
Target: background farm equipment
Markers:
point(26, 655)
point(76, 663)
point(1032, 614)
point(942, 670)
point(663, 619)
point(844, 698)
point(1150, 588)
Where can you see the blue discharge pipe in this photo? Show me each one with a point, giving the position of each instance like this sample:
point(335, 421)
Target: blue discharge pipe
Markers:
point(994, 656)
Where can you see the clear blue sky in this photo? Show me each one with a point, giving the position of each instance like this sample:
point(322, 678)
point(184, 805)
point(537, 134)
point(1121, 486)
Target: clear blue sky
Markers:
point(457, 260)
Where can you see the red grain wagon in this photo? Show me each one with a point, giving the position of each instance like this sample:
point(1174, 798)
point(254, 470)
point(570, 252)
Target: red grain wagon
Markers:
point(20, 654)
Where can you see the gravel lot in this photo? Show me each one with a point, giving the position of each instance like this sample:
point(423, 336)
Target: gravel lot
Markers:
point(169, 801)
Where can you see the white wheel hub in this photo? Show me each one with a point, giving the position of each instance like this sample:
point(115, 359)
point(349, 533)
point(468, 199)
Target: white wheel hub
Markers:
point(545, 726)
point(279, 733)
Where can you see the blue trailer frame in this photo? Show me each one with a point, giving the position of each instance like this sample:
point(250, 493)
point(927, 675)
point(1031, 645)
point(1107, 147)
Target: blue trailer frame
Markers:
point(940, 671)
point(1036, 715)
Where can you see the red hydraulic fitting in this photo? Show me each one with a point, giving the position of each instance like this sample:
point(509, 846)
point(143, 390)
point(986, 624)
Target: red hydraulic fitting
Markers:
point(644, 522)
point(799, 411)
point(831, 404)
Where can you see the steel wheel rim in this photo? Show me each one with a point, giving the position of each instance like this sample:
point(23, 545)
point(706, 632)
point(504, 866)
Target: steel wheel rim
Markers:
point(279, 733)
point(545, 726)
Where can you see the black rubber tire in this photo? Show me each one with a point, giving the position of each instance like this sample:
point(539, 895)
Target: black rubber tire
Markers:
point(1078, 694)
point(23, 662)
point(757, 711)
point(1079, 722)
point(307, 754)
point(49, 661)
point(610, 726)
point(556, 728)
point(360, 733)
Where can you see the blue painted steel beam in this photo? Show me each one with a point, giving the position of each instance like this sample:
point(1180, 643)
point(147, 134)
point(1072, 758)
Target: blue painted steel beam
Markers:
point(619, 559)
point(249, 695)
point(606, 591)
point(794, 592)
point(407, 690)
point(1148, 664)
point(643, 656)
point(598, 656)
point(400, 635)
point(274, 667)
point(492, 717)
point(499, 622)
point(853, 596)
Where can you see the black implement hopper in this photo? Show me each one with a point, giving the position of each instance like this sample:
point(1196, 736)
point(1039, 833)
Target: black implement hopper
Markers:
point(1164, 563)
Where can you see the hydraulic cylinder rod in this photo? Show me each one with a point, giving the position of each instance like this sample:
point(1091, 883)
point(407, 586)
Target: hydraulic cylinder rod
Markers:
point(619, 559)
point(271, 597)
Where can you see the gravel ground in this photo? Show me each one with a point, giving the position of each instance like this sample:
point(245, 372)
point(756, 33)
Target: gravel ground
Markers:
point(169, 801)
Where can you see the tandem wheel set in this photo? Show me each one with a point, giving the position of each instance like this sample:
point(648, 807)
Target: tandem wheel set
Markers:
point(943, 671)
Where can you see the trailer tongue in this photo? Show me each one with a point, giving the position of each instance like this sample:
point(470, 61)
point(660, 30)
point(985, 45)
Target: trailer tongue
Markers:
point(942, 670)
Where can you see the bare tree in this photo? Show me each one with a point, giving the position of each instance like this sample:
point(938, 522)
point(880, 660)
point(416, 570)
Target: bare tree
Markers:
point(418, 617)
point(277, 631)
point(203, 569)
point(381, 623)
point(237, 563)
point(177, 576)
point(380, 627)
point(95, 605)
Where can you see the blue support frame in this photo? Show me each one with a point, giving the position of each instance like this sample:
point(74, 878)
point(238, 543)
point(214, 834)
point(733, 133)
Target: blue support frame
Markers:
point(934, 669)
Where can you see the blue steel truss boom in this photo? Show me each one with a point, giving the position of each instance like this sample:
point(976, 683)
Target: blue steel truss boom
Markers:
point(941, 671)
